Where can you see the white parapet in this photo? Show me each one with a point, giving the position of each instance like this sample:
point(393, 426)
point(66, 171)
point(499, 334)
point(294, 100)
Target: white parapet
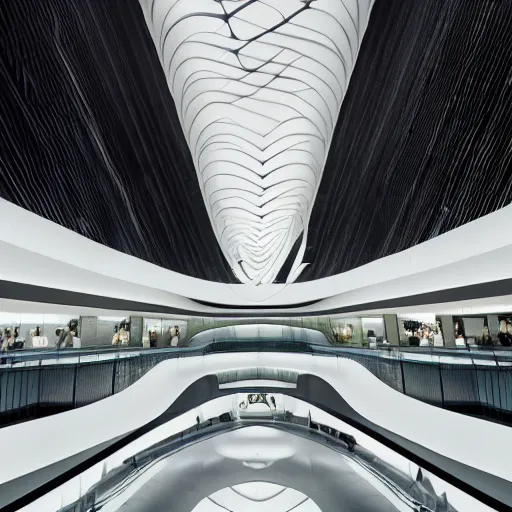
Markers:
point(441, 431)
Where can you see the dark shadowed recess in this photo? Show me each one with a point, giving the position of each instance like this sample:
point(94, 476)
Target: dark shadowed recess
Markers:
point(89, 134)
point(422, 145)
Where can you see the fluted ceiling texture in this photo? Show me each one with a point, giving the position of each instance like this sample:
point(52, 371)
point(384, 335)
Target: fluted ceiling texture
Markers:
point(256, 141)
point(258, 87)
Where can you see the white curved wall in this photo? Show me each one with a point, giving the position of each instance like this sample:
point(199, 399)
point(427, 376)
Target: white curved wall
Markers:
point(263, 332)
point(441, 431)
point(258, 87)
point(31, 252)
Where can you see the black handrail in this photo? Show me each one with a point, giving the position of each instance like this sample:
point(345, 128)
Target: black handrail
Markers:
point(485, 353)
point(29, 392)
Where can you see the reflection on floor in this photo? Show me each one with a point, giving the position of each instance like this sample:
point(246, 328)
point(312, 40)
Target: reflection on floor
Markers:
point(262, 451)
point(256, 497)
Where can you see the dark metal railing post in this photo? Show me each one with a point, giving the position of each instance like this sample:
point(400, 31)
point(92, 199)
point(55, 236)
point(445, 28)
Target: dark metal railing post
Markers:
point(441, 383)
point(39, 380)
point(75, 373)
point(13, 373)
point(114, 374)
point(402, 371)
point(20, 402)
point(501, 407)
point(27, 396)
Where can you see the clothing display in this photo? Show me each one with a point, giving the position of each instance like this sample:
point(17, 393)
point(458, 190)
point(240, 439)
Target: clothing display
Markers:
point(505, 332)
point(68, 335)
point(124, 337)
point(122, 334)
point(16, 344)
point(505, 339)
point(4, 340)
point(422, 332)
point(39, 341)
point(175, 336)
point(438, 340)
point(12, 339)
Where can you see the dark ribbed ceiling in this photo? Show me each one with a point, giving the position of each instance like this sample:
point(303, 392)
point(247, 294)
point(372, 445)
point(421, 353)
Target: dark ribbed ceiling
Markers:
point(90, 138)
point(424, 138)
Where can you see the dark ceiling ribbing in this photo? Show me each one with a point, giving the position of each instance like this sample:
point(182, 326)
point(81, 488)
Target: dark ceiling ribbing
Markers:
point(89, 136)
point(424, 139)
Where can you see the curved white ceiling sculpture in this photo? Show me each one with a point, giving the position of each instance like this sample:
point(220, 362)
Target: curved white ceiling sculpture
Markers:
point(258, 86)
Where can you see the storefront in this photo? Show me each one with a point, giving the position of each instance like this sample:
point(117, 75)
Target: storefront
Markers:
point(374, 331)
point(164, 332)
point(105, 330)
point(483, 330)
point(48, 331)
point(34, 331)
point(420, 330)
point(347, 331)
point(359, 331)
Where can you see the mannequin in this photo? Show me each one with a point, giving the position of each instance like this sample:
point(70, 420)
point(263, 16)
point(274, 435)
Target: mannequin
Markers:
point(38, 340)
point(509, 334)
point(460, 333)
point(68, 335)
point(124, 333)
point(438, 335)
point(12, 340)
point(18, 342)
point(486, 337)
point(6, 338)
point(115, 338)
point(3, 345)
point(505, 333)
point(153, 339)
point(175, 336)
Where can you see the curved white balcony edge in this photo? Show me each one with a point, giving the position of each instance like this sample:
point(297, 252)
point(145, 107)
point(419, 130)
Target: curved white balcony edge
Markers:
point(32, 253)
point(445, 432)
